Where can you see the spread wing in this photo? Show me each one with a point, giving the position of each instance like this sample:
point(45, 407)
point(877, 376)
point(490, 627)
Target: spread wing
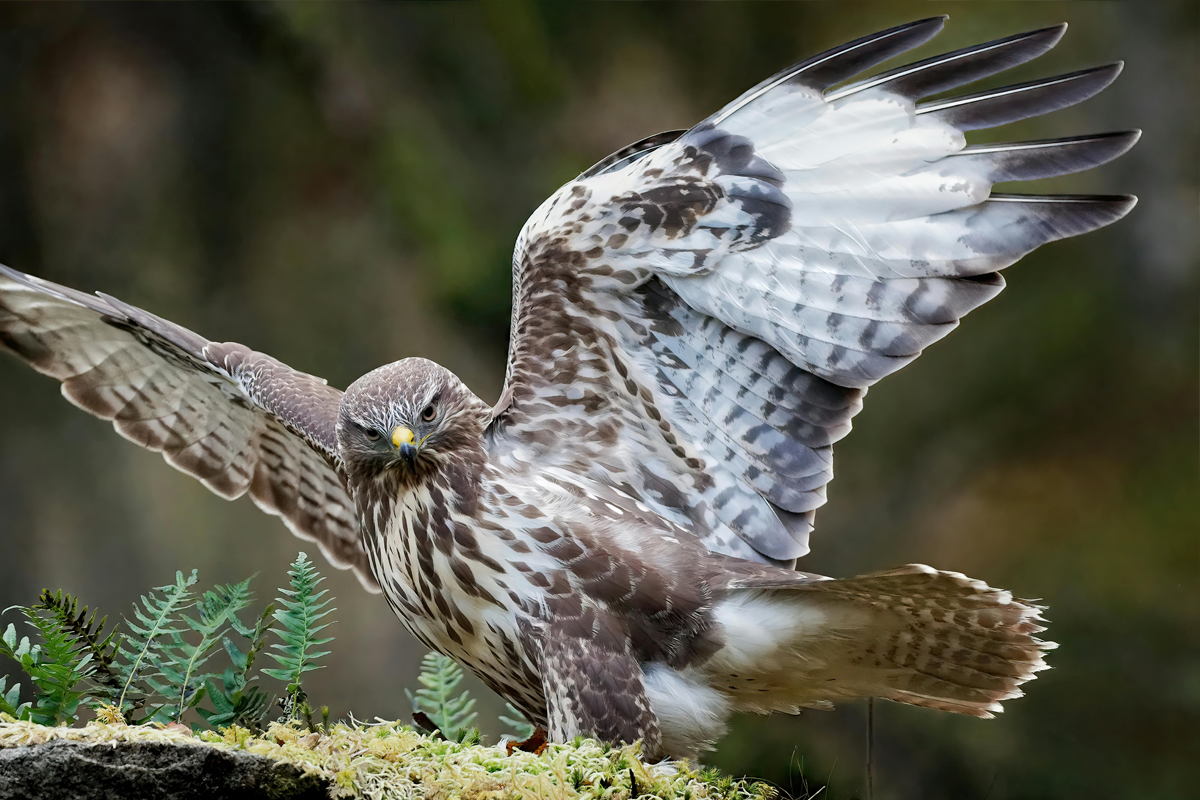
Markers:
point(697, 318)
point(239, 421)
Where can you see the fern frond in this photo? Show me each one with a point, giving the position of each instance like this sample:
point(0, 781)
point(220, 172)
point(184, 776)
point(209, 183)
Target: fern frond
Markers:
point(235, 703)
point(522, 729)
point(257, 636)
point(216, 608)
point(150, 638)
point(55, 666)
point(453, 715)
point(245, 707)
point(301, 608)
point(10, 699)
point(89, 636)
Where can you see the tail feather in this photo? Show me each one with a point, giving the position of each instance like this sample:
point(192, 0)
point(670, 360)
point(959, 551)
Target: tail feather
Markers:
point(913, 635)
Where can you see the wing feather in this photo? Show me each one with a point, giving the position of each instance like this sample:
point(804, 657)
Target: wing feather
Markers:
point(960, 67)
point(238, 421)
point(703, 313)
point(997, 107)
point(836, 65)
point(1030, 161)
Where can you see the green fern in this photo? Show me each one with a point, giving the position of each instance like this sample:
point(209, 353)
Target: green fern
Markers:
point(10, 700)
point(453, 716)
point(149, 654)
point(182, 664)
point(89, 637)
point(301, 609)
point(56, 667)
point(234, 701)
point(522, 729)
point(161, 662)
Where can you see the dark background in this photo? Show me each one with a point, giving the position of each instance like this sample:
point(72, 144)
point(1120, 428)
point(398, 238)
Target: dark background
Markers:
point(340, 186)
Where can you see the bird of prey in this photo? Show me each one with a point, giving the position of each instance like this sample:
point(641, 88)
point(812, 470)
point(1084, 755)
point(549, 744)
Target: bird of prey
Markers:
point(696, 319)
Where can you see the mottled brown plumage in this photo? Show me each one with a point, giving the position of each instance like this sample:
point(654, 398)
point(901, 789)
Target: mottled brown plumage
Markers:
point(696, 320)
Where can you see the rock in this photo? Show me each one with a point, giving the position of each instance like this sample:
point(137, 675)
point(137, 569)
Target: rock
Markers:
point(150, 770)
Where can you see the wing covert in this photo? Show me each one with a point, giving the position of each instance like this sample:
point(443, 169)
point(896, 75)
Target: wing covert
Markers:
point(237, 420)
point(697, 318)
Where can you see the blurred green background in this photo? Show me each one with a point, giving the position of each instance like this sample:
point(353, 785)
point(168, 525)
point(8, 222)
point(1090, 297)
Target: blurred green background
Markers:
point(340, 186)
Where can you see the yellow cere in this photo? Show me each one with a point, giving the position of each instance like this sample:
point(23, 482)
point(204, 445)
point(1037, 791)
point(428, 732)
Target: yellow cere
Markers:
point(403, 435)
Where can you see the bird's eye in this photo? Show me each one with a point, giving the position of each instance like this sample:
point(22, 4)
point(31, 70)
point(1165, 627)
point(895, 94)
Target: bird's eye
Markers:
point(429, 413)
point(373, 435)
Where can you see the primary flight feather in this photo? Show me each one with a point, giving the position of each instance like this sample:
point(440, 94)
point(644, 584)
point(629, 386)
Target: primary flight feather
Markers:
point(696, 320)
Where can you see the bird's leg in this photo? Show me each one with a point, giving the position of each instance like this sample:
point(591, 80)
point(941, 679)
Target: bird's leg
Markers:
point(593, 684)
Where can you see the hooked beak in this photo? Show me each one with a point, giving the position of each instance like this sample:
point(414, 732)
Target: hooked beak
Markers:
point(406, 443)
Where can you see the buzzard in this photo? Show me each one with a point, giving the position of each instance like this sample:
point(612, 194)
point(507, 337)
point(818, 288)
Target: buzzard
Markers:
point(696, 319)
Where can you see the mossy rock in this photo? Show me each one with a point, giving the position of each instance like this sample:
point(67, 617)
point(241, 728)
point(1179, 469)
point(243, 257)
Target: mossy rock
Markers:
point(150, 770)
point(384, 760)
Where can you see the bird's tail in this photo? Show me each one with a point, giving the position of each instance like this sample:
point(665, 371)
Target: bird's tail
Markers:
point(911, 634)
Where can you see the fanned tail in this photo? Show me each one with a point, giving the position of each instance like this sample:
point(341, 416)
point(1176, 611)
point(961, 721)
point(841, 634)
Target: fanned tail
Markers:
point(912, 634)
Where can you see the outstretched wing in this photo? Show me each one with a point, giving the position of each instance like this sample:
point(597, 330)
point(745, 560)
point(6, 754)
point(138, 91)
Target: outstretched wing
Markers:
point(239, 421)
point(697, 319)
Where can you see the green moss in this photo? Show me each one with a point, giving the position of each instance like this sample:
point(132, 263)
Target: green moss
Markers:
point(390, 760)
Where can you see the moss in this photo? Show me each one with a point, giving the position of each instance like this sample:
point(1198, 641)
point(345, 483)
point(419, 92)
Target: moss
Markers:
point(390, 760)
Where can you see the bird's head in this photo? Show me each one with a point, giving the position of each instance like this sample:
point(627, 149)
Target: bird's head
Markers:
point(410, 419)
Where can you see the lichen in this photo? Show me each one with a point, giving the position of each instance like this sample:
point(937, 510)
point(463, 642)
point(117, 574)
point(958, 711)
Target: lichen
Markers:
point(391, 760)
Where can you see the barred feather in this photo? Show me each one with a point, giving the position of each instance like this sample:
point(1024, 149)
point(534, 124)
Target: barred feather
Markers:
point(238, 421)
point(913, 634)
point(839, 230)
